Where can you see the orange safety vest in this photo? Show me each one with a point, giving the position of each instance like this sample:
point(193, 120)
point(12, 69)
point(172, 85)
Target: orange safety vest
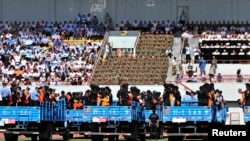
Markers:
point(26, 100)
point(41, 95)
point(105, 101)
point(210, 99)
point(77, 104)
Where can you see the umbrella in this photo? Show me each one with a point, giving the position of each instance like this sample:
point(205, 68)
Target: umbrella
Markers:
point(28, 55)
point(53, 64)
point(28, 42)
point(64, 56)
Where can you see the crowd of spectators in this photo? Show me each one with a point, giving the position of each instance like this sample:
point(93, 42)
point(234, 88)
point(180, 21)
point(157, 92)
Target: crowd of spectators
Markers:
point(37, 51)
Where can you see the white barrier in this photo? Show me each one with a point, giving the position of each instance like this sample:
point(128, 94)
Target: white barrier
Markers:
point(230, 90)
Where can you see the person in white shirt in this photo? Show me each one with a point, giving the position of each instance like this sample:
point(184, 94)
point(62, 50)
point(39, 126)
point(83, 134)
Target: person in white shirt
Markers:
point(196, 53)
point(188, 53)
point(241, 52)
point(216, 52)
point(224, 52)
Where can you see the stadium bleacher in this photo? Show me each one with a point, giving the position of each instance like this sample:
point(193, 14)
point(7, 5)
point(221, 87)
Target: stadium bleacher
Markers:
point(148, 67)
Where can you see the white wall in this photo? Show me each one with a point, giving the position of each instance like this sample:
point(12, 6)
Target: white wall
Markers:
point(229, 89)
point(50, 10)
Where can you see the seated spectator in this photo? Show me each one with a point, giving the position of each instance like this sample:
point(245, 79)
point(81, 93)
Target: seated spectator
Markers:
point(195, 78)
point(248, 53)
point(178, 78)
point(189, 70)
point(217, 45)
point(233, 52)
point(224, 52)
point(216, 52)
point(244, 46)
point(241, 52)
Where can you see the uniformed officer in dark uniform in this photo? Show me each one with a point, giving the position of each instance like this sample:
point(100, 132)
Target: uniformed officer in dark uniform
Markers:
point(5, 94)
point(153, 124)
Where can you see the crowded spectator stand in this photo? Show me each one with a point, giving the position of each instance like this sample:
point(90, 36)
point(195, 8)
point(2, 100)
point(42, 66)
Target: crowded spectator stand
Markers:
point(41, 53)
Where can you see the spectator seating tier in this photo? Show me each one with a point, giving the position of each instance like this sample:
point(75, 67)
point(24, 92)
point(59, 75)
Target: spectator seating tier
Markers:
point(148, 67)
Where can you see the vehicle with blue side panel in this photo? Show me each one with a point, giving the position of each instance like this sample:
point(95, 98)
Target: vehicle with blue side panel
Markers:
point(247, 115)
point(43, 121)
point(110, 121)
point(190, 120)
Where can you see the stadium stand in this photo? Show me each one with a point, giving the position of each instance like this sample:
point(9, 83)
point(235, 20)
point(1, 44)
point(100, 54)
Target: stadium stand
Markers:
point(149, 66)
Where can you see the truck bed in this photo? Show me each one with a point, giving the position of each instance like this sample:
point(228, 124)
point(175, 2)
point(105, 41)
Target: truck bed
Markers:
point(24, 114)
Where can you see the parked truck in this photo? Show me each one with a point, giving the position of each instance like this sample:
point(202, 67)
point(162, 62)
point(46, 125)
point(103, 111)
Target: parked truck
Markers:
point(108, 121)
point(190, 120)
point(42, 121)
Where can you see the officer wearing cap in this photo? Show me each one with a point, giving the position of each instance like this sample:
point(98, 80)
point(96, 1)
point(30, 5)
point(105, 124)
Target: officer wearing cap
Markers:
point(5, 94)
point(153, 124)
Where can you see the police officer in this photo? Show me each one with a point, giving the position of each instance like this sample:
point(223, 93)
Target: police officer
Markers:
point(153, 124)
point(5, 94)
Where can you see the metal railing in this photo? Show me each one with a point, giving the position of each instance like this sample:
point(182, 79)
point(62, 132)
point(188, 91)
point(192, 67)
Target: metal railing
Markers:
point(100, 53)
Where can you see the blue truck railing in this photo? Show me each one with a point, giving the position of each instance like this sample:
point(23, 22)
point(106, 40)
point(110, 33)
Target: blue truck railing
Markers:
point(19, 114)
point(219, 113)
point(55, 112)
point(246, 114)
point(91, 114)
point(188, 112)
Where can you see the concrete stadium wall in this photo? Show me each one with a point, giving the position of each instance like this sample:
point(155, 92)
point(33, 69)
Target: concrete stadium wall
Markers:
point(230, 90)
point(60, 10)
